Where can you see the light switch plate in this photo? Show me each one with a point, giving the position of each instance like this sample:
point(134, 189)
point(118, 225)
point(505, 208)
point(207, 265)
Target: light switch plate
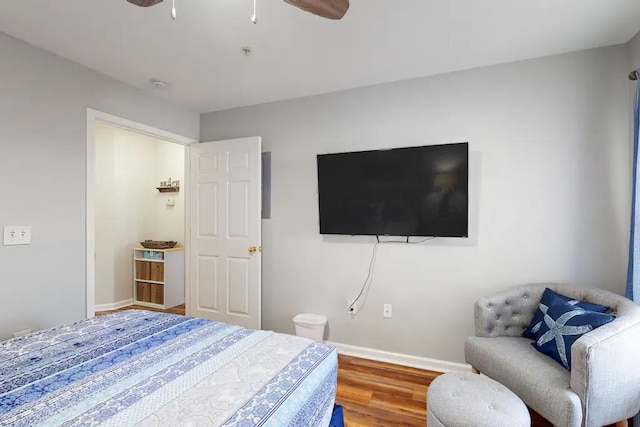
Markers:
point(16, 235)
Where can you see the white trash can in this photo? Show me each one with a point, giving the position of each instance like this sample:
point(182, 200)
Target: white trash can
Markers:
point(310, 326)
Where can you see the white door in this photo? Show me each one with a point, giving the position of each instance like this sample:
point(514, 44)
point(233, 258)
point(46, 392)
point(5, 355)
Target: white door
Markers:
point(225, 235)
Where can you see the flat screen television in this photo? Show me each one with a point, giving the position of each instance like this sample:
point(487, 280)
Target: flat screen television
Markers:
point(415, 191)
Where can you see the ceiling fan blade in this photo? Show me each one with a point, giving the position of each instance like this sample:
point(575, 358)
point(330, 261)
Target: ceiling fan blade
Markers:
point(144, 3)
point(332, 9)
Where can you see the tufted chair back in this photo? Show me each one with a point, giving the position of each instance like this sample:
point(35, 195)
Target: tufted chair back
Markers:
point(509, 313)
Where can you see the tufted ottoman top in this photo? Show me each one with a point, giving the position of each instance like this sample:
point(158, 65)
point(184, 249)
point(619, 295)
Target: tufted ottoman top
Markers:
point(464, 399)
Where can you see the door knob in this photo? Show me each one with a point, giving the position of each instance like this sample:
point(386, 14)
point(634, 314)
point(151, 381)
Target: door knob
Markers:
point(253, 249)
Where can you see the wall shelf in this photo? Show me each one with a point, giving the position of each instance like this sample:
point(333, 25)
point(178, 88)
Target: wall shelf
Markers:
point(168, 189)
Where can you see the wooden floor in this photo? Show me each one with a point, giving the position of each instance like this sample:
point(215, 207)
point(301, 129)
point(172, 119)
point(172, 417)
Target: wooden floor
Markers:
point(376, 393)
point(380, 394)
point(179, 309)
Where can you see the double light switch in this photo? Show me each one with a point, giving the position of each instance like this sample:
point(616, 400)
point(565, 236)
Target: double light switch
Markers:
point(16, 235)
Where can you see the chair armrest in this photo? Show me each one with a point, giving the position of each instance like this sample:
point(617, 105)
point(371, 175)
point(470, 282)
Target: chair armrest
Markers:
point(507, 313)
point(605, 371)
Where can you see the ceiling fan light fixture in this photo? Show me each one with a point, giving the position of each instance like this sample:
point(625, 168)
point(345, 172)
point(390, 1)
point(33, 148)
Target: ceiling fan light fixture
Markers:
point(331, 9)
point(160, 84)
point(254, 18)
point(145, 3)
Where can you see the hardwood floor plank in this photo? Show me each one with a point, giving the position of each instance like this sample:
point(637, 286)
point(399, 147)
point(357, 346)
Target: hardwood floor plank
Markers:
point(352, 380)
point(420, 396)
point(398, 404)
point(357, 414)
point(387, 373)
point(393, 367)
point(354, 394)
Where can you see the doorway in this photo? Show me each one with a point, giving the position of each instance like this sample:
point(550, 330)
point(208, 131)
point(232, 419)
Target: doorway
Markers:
point(126, 167)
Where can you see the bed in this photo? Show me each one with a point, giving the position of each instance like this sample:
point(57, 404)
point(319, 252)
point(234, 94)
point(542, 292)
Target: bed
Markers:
point(144, 368)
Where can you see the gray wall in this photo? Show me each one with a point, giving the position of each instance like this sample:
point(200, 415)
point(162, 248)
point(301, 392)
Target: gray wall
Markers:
point(634, 52)
point(42, 169)
point(549, 181)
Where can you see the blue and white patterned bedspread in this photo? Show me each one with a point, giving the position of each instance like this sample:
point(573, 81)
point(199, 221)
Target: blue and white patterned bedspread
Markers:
point(154, 369)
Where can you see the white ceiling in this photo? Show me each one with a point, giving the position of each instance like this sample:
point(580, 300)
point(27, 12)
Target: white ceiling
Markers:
point(297, 54)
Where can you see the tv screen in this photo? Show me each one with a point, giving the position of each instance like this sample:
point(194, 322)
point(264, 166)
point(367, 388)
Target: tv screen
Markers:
point(415, 191)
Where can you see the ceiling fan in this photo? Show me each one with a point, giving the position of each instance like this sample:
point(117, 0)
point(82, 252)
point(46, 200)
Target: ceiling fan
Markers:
point(331, 9)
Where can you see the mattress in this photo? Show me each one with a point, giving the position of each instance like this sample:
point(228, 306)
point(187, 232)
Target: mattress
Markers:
point(144, 368)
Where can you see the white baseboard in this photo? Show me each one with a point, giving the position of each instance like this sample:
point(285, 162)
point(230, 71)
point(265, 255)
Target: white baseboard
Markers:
point(114, 306)
point(401, 359)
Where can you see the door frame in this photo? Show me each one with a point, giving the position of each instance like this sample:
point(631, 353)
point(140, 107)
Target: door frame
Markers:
point(93, 118)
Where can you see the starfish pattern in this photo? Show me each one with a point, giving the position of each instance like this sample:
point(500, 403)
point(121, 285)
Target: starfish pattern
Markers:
point(543, 308)
point(558, 329)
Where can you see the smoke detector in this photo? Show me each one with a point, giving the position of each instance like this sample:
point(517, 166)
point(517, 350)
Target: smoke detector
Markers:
point(160, 84)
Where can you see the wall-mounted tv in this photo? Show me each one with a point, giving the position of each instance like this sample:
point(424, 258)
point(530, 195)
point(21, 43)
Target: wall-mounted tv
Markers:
point(415, 191)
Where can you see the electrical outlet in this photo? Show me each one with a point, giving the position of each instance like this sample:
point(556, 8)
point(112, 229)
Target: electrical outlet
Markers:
point(352, 307)
point(386, 311)
point(16, 235)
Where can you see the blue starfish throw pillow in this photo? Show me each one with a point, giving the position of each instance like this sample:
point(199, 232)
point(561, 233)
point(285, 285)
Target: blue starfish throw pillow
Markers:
point(562, 325)
point(547, 298)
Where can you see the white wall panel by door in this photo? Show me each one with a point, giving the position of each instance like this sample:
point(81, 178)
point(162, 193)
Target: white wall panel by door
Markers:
point(104, 217)
point(169, 220)
point(125, 207)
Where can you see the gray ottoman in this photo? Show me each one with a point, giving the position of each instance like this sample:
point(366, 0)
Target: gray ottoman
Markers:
point(463, 399)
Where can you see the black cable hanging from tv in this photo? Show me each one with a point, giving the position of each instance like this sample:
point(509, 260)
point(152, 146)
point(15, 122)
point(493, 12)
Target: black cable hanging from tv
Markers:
point(406, 241)
point(369, 278)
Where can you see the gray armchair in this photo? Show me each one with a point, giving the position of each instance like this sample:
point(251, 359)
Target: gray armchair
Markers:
point(603, 386)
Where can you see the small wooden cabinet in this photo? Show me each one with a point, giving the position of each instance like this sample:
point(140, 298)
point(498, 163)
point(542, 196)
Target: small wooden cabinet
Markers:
point(158, 277)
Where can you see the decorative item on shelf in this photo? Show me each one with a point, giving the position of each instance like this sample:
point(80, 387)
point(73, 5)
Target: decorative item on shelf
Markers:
point(153, 255)
point(169, 186)
point(158, 244)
